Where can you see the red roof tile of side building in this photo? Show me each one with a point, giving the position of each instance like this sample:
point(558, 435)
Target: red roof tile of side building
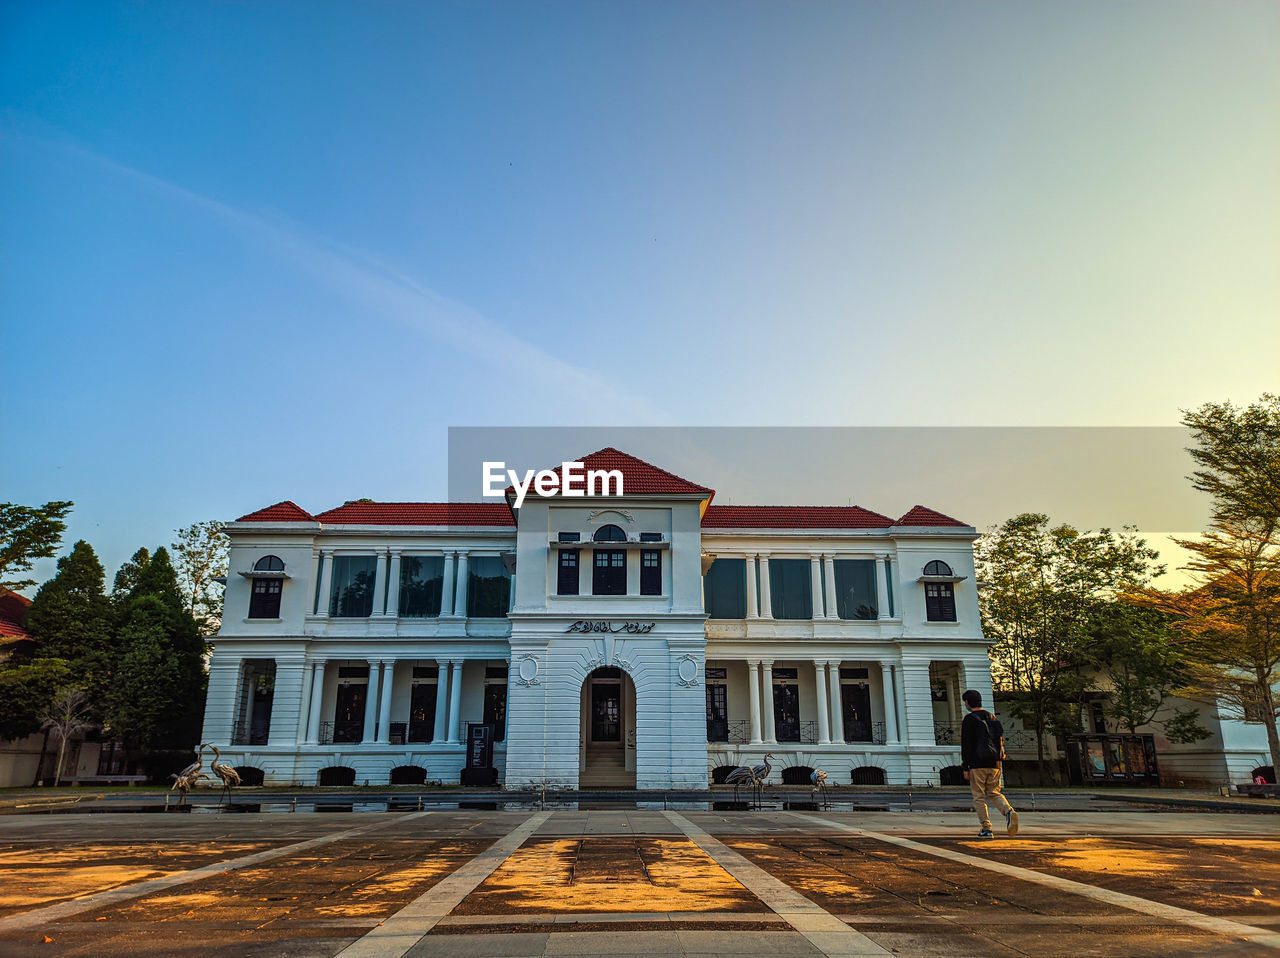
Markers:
point(281, 512)
point(793, 517)
point(639, 478)
point(923, 516)
point(13, 609)
point(420, 514)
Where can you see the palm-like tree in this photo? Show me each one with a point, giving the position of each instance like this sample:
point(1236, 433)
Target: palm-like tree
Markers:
point(65, 717)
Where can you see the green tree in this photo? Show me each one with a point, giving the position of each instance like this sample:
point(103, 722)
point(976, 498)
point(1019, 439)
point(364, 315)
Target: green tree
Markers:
point(148, 705)
point(1042, 587)
point(26, 690)
point(28, 533)
point(201, 555)
point(1237, 455)
point(128, 575)
point(1135, 653)
point(1229, 621)
point(71, 619)
point(158, 688)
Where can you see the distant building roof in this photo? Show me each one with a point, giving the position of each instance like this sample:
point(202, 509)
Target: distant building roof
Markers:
point(923, 516)
point(286, 511)
point(793, 517)
point(639, 478)
point(13, 609)
point(420, 514)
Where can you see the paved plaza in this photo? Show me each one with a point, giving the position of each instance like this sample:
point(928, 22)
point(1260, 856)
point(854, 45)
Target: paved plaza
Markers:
point(652, 881)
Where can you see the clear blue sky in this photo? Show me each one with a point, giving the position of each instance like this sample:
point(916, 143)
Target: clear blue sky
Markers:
point(265, 250)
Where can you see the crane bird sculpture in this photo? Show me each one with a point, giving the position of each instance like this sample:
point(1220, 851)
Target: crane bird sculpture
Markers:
point(753, 775)
point(819, 779)
point(187, 779)
point(229, 776)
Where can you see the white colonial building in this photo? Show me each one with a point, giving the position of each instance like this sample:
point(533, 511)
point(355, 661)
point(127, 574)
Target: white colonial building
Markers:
point(644, 639)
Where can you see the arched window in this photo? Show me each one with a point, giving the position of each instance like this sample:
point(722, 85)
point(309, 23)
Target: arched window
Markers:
point(264, 601)
point(268, 564)
point(937, 568)
point(609, 533)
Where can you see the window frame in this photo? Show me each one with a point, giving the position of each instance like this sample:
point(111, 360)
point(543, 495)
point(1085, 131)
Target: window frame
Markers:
point(651, 575)
point(568, 574)
point(265, 604)
point(613, 579)
point(939, 602)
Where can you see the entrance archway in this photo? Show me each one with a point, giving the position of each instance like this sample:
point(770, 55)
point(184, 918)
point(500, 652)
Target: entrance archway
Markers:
point(608, 721)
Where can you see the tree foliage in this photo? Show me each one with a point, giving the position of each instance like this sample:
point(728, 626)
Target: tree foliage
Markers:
point(28, 533)
point(1238, 457)
point(127, 576)
point(1133, 650)
point(1229, 621)
point(71, 619)
point(201, 555)
point(1043, 585)
point(26, 690)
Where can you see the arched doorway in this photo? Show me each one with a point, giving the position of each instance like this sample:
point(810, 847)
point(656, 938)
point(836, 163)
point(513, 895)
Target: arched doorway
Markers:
point(607, 756)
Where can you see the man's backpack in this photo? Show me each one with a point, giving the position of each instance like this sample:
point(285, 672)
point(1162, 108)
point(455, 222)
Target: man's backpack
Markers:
point(990, 744)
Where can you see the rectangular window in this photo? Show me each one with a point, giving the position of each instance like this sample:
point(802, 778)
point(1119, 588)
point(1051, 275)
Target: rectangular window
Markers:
point(939, 602)
point(717, 713)
point(352, 591)
point(791, 589)
point(569, 537)
point(856, 588)
point(725, 585)
point(888, 584)
point(488, 588)
point(651, 537)
point(567, 581)
point(265, 601)
point(495, 710)
point(650, 572)
point(421, 585)
point(609, 575)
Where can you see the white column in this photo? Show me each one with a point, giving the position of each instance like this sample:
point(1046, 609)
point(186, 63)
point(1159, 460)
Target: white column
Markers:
point(326, 583)
point(371, 701)
point(882, 588)
point(317, 700)
point(753, 691)
point(891, 734)
point(442, 701)
point(380, 585)
point(820, 688)
point(770, 725)
point(766, 603)
point(815, 586)
point(837, 707)
point(384, 709)
point(446, 590)
point(455, 698)
point(899, 701)
point(833, 604)
point(393, 585)
point(304, 704)
point(317, 558)
point(460, 596)
point(917, 702)
point(753, 611)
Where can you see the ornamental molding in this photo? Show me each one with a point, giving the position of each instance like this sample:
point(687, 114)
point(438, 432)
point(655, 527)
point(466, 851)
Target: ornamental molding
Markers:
point(596, 513)
point(687, 671)
point(527, 671)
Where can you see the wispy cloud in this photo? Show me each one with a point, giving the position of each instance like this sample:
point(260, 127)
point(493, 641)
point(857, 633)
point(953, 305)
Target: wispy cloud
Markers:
point(374, 285)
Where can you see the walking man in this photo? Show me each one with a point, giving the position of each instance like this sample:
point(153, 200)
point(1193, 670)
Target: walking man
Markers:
point(981, 752)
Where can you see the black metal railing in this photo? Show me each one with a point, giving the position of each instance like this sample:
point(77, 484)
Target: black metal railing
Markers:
point(247, 733)
point(859, 730)
point(946, 733)
point(739, 732)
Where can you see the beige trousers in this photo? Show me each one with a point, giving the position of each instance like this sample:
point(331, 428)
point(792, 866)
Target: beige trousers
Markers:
point(984, 783)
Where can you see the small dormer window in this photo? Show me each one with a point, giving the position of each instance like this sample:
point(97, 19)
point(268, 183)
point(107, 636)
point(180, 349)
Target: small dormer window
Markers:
point(609, 533)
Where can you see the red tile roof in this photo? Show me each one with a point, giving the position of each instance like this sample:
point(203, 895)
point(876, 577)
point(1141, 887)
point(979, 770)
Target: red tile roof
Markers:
point(639, 478)
point(281, 512)
point(793, 517)
point(922, 516)
point(420, 514)
point(13, 609)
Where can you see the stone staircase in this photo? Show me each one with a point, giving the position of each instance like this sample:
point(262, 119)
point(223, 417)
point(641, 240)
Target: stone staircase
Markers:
point(606, 768)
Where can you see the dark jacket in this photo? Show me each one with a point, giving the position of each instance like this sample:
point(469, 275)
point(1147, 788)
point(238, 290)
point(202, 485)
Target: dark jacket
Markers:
point(973, 735)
